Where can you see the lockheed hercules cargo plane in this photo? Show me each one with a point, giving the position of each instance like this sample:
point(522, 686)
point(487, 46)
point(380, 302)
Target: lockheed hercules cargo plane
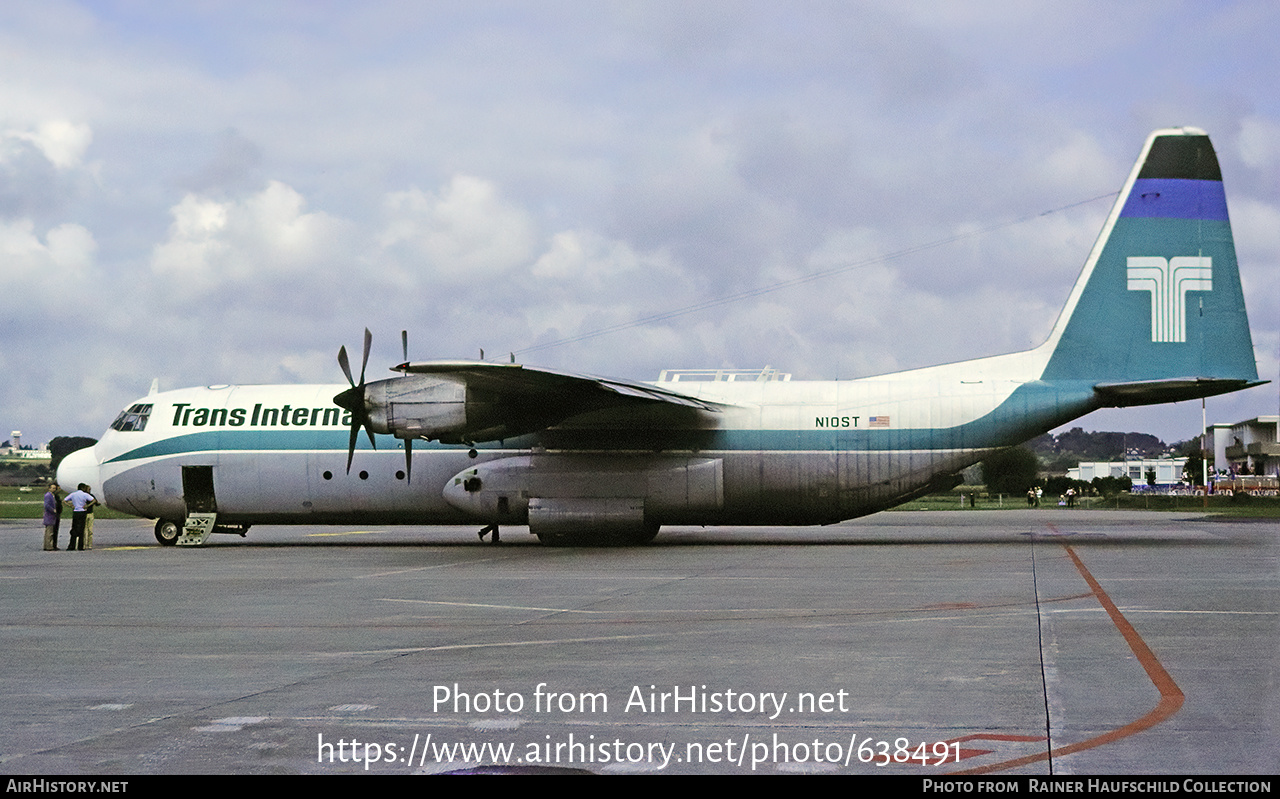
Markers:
point(1157, 315)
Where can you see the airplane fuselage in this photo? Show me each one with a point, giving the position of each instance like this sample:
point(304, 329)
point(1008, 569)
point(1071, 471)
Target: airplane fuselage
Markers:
point(775, 452)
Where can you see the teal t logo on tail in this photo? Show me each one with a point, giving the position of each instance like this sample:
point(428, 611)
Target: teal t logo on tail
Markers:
point(1158, 312)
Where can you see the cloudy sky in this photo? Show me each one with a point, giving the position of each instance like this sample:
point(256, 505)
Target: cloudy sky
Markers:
point(227, 192)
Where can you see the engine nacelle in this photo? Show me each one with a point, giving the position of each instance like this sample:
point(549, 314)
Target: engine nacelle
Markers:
point(416, 406)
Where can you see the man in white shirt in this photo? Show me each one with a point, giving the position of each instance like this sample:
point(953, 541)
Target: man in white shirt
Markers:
point(80, 501)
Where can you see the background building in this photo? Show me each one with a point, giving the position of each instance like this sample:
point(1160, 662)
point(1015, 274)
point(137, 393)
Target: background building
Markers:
point(1168, 471)
point(1248, 447)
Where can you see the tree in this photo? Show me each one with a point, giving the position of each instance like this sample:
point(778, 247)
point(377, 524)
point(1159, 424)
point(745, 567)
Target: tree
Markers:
point(1110, 485)
point(62, 446)
point(1011, 471)
point(1193, 471)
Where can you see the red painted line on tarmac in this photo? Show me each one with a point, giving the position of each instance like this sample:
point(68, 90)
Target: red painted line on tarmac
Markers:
point(965, 754)
point(1171, 697)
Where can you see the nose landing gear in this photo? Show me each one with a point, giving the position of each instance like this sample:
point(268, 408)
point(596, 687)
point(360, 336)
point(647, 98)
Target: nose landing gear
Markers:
point(167, 532)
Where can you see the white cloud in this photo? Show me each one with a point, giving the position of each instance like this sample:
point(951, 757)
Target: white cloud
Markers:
point(1256, 228)
point(1079, 161)
point(214, 243)
point(61, 261)
point(195, 242)
point(62, 142)
point(589, 262)
point(465, 233)
point(1259, 142)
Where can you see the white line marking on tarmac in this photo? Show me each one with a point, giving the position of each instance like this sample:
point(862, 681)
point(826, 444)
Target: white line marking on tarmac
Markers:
point(424, 568)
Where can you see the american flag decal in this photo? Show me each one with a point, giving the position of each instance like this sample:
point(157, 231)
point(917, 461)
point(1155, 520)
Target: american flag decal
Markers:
point(879, 421)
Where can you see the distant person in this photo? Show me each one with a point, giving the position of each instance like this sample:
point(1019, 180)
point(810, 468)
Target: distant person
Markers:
point(52, 518)
point(1031, 497)
point(79, 501)
point(1071, 497)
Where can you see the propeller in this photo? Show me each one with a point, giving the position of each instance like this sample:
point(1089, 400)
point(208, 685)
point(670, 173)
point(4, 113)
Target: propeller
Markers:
point(408, 442)
point(353, 398)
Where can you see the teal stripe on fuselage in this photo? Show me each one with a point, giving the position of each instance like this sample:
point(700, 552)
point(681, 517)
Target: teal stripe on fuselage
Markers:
point(249, 440)
point(1031, 409)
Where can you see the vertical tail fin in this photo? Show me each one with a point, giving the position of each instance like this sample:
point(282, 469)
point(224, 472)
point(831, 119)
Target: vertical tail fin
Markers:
point(1159, 301)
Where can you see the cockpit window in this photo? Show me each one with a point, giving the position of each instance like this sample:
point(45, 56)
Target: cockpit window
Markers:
point(134, 418)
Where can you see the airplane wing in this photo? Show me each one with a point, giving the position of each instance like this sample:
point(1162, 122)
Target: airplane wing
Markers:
point(473, 401)
point(519, 380)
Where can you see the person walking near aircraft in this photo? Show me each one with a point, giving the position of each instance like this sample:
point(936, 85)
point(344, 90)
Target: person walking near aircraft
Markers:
point(79, 501)
point(52, 518)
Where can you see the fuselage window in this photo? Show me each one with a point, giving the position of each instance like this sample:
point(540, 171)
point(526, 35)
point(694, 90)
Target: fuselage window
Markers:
point(133, 419)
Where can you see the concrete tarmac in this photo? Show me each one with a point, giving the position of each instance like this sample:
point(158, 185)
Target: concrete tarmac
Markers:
point(1011, 642)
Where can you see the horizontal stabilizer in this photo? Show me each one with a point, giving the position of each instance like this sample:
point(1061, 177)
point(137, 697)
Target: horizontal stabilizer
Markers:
point(1150, 392)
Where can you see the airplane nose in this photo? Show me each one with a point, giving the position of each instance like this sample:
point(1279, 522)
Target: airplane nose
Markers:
point(79, 467)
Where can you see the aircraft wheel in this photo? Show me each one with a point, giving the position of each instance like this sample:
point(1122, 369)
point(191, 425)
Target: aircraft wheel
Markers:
point(630, 538)
point(637, 538)
point(557, 540)
point(167, 532)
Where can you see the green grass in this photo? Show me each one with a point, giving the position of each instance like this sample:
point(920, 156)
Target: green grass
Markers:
point(1220, 505)
point(18, 504)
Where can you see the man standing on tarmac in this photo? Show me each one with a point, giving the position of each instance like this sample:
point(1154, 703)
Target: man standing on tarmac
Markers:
point(79, 500)
point(88, 519)
point(52, 518)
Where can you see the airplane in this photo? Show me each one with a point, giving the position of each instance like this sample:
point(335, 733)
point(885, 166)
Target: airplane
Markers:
point(1157, 315)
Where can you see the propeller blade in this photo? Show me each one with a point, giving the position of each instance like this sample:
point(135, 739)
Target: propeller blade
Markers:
point(351, 447)
point(345, 364)
point(364, 361)
point(404, 344)
point(355, 396)
point(408, 460)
